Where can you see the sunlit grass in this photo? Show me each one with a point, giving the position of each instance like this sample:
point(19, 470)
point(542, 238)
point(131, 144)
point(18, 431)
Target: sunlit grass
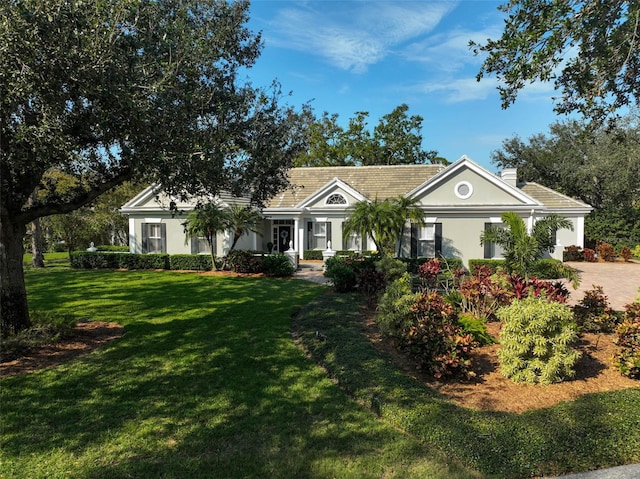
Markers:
point(205, 382)
point(592, 432)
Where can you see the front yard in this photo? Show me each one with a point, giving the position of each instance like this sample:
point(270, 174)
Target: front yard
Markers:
point(208, 382)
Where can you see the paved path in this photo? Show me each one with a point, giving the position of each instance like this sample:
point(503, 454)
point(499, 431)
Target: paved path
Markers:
point(619, 281)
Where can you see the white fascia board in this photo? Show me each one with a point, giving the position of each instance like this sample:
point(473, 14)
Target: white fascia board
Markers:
point(142, 197)
point(336, 182)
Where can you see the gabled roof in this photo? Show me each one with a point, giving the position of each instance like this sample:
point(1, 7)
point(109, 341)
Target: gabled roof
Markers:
point(369, 181)
point(465, 163)
point(334, 184)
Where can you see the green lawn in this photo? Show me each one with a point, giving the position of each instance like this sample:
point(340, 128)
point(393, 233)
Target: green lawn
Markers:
point(593, 432)
point(206, 382)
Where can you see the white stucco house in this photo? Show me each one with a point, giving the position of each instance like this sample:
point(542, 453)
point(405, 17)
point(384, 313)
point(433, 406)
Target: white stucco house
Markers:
point(459, 201)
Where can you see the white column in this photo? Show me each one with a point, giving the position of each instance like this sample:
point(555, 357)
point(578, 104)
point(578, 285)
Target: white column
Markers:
point(580, 231)
point(132, 235)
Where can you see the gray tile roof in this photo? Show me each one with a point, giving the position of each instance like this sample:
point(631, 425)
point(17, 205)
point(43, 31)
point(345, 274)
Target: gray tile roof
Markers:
point(370, 181)
point(550, 198)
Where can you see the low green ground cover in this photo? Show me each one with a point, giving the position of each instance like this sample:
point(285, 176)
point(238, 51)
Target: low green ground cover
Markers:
point(206, 382)
point(595, 431)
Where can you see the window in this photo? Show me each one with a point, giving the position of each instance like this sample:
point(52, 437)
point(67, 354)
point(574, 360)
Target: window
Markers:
point(318, 234)
point(426, 240)
point(201, 245)
point(154, 238)
point(492, 250)
point(336, 199)
point(353, 242)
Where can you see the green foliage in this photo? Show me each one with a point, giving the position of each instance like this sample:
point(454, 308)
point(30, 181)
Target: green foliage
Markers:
point(493, 264)
point(313, 254)
point(476, 327)
point(627, 356)
point(593, 313)
point(242, 220)
point(617, 224)
point(391, 268)
point(533, 47)
point(371, 284)
point(395, 308)
point(438, 344)
point(636, 251)
point(537, 338)
point(190, 262)
point(277, 265)
point(109, 260)
point(342, 275)
point(242, 261)
point(521, 248)
point(396, 140)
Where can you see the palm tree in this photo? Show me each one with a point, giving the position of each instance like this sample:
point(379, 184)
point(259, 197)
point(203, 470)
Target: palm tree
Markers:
point(205, 221)
point(522, 249)
point(406, 209)
point(242, 220)
point(375, 219)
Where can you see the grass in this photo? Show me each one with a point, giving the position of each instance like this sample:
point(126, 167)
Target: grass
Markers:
point(593, 432)
point(206, 382)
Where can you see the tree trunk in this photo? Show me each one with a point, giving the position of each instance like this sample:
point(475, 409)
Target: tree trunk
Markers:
point(14, 312)
point(37, 244)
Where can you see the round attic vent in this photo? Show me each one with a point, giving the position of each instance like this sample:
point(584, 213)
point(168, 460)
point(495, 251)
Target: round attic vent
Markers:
point(463, 190)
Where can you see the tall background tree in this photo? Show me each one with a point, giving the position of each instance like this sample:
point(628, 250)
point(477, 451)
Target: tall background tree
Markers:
point(599, 166)
point(395, 140)
point(114, 91)
point(589, 48)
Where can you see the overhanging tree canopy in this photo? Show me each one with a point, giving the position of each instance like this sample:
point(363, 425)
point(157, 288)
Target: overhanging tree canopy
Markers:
point(128, 89)
point(590, 49)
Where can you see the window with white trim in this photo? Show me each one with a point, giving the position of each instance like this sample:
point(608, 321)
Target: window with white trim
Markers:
point(493, 250)
point(352, 242)
point(336, 199)
point(426, 240)
point(154, 238)
point(318, 234)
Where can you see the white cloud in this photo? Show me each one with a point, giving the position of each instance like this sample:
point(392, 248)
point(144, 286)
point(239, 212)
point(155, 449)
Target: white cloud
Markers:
point(354, 35)
point(459, 90)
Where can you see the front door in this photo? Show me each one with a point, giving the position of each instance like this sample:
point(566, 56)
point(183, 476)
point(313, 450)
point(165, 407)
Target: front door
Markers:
point(282, 235)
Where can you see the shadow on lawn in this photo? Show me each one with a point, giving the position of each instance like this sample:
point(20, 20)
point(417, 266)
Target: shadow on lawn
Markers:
point(205, 381)
point(592, 432)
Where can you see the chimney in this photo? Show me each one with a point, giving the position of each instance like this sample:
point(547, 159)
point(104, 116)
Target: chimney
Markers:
point(510, 176)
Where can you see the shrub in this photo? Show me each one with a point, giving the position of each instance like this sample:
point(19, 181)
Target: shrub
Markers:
point(414, 263)
point(190, 262)
point(522, 288)
point(428, 273)
point(395, 308)
point(242, 261)
point(277, 265)
point(549, 268)
point(371, 283)
point(313, 254)
point(627, 357)
point(593, 313)
point(342, 276)
point(477, 327)
point(439, 345)
point(625, 253)
point(493, 264)
point(537, 338)
point(391, 268)
point(572, 253)
point(589, 255)
point(481, 295)
point(108, 260)
point(606, 252)
point(636, 251)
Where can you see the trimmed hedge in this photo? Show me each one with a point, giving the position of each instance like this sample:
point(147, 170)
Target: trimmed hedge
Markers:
point(109, 247)
point(113, 260)
point(191, 262)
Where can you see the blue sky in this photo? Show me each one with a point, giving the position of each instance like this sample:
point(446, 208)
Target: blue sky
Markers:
point(345, 56)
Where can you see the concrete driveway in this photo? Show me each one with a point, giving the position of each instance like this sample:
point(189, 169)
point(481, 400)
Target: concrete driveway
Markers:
point(619, 281)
